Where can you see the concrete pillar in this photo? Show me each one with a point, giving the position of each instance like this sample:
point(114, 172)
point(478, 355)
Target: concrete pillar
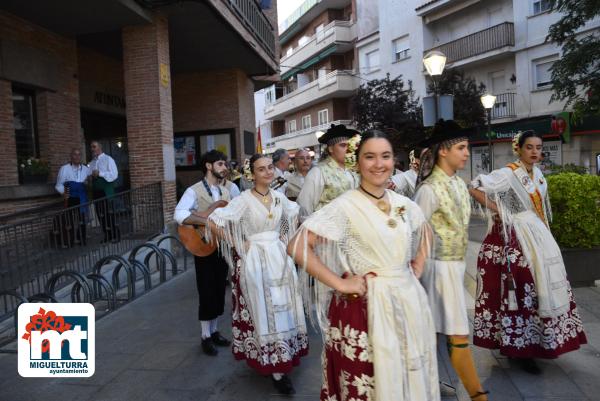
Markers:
point(147, 74)
point(8, 147)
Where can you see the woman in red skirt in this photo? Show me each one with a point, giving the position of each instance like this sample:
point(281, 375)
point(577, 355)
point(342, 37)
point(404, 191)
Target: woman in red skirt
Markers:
point(524, 307)
point(366, 249)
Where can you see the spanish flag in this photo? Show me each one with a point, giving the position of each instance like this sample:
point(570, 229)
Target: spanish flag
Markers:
point(258, 142)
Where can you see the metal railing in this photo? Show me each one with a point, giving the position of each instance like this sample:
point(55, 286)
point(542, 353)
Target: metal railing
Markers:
point(74, 239)
point(309, 130)
point(478, 43)
point(321, 82)
point(504, 106)
point(327, 31)
point(252, 16)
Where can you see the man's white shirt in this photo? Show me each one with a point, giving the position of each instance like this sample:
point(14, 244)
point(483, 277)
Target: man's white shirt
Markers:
point(106, 166)
point(69, 172)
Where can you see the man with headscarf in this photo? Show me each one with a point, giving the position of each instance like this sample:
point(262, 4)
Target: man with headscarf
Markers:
point(445, 202)
point(330, 178)
point(295, 181)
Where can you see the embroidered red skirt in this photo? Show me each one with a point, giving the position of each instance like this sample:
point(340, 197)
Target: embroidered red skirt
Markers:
point(521, 333)
point(347, 353)
point(276, 357)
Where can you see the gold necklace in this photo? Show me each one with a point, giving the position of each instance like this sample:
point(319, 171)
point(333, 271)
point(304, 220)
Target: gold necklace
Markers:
point(383, 206)
point(265, 197)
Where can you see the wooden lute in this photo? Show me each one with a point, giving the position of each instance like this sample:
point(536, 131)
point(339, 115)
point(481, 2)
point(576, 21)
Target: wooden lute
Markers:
point(192, 236)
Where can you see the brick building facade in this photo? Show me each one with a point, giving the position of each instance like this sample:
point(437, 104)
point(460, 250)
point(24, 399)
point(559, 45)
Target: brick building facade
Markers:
point(135, 76)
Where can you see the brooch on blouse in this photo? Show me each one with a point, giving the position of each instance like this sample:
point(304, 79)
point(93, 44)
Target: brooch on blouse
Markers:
point(399, 212)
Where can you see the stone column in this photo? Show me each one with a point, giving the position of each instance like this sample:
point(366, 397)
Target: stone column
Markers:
point(147, 74)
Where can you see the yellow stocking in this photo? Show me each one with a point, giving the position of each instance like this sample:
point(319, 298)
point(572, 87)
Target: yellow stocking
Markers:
point(462, 361)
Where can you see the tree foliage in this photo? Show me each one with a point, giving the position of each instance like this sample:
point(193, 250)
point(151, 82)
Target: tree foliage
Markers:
point(575, 211)
point(390, 104)
point(468, 110)
point(576, 76)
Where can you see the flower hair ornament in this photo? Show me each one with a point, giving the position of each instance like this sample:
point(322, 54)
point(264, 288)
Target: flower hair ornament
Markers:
point(515, 143)
point(247, 172)
point(350, 158)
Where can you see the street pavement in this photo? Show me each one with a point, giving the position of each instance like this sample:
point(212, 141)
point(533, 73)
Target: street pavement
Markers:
point(150, 350)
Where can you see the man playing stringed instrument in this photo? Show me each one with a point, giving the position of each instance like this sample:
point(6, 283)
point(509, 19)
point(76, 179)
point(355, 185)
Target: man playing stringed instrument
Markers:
point(197, 202)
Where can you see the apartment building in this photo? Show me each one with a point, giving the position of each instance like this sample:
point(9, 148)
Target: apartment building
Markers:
point(500, 43)
point(318, 74)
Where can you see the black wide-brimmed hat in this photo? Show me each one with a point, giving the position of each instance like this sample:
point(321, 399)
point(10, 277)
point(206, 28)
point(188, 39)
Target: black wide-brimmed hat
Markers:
point(445, 131)
point(337, 132)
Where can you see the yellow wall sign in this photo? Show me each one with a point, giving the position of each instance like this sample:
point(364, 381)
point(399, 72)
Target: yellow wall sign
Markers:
point(164, 75)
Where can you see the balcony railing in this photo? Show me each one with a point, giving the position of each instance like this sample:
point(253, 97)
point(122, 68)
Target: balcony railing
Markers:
point(322, 127)
point(334, 32)
point(302, 138)
point(338, 83)
point(297, 13)
point(504, 106)
point(481, 42)
point(252, 16)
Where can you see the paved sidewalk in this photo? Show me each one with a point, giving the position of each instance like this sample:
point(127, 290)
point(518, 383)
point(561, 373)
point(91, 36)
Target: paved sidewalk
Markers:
point(149, 350)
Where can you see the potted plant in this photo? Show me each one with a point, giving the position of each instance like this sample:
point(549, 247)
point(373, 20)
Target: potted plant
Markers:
point(34, 171)
point(575, 202)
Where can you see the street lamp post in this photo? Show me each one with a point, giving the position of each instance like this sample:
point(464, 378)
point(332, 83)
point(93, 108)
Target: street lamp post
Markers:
point(488, 101)
point(434, 62)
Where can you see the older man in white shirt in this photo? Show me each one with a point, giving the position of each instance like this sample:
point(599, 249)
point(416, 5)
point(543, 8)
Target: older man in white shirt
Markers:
point(104, 174)
point(70, 183)
point(281, 160)
point(295, 181)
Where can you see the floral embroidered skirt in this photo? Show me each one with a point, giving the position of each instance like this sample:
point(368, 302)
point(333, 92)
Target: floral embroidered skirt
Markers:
point(347, 354)
point(276, 357)
point(521, 333)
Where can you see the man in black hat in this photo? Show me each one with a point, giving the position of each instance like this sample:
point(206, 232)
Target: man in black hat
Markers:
point(330, 178)
point(444, 199)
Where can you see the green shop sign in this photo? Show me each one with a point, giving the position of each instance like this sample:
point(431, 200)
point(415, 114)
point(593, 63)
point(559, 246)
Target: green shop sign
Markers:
point(560, 124)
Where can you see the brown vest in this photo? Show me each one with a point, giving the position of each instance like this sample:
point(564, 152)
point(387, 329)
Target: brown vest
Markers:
point(205, 199)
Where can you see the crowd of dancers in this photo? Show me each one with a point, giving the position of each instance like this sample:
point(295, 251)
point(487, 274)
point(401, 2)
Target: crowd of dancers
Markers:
point(376, 259)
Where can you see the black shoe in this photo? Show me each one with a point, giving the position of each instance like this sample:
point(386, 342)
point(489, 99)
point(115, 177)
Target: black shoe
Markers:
point(209, 347)
point(219, 340)
point(529, 365)
point(284, 385)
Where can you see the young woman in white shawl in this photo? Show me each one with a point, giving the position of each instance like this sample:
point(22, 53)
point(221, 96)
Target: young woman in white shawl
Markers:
point(524, 303)
point(269, 328)
point(366, 250)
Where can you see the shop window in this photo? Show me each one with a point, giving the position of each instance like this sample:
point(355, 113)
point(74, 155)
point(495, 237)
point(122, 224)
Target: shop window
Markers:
point(26, 135)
